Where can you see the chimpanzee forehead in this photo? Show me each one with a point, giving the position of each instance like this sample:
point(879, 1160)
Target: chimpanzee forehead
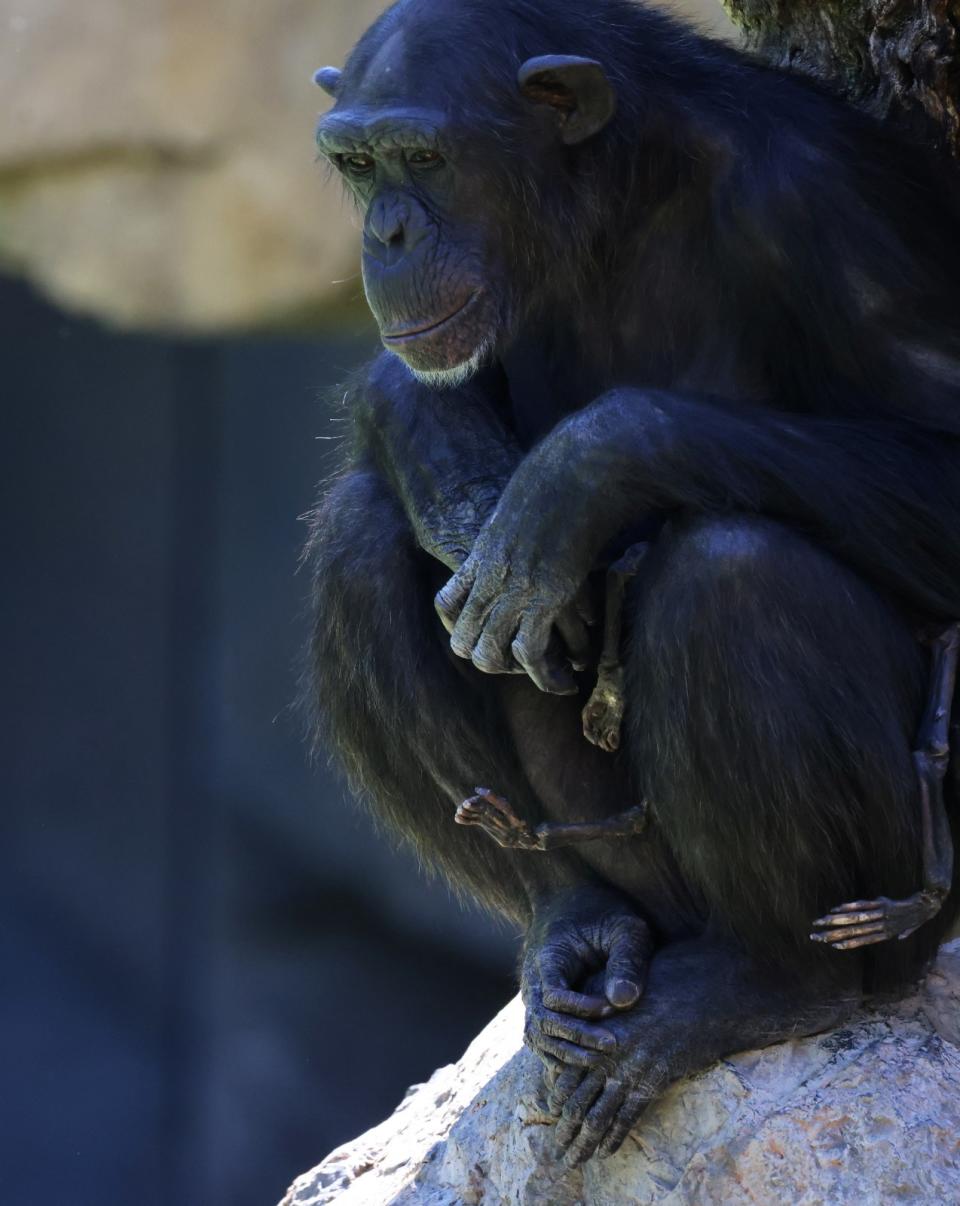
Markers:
point(356, 127)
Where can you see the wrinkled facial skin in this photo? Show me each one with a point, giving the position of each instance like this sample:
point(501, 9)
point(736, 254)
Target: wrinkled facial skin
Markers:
point(430, 268)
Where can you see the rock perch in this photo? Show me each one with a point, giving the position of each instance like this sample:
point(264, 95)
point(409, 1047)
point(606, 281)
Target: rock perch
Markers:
point(867, 1114)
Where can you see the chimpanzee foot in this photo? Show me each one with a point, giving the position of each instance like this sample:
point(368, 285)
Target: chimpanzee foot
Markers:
point(585, 958)
point(496, 818)
point(603, 714)
point(865, 922)
point(702, 1003)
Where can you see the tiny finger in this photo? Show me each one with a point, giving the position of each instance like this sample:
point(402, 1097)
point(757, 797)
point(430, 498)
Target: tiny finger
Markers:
point(844, 919)
point(853, 931)
point(853, 943)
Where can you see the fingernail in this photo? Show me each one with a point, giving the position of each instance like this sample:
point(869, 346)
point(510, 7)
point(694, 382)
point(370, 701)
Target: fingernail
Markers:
point(623, 993)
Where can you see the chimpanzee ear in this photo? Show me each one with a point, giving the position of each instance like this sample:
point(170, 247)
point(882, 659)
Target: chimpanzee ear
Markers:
point(578, 89)
point(328, 78)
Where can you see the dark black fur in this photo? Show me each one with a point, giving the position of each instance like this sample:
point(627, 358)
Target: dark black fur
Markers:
point(736, 309)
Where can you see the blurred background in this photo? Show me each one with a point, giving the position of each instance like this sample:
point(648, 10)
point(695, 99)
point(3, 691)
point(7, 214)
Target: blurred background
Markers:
point(212, 971)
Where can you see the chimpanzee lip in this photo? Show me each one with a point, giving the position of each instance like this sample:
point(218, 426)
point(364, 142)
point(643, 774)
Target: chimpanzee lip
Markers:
point(430, 328)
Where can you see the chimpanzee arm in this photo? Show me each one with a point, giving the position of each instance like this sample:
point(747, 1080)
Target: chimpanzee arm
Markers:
point(883, 495)
point(446, 452)
point(448, 455)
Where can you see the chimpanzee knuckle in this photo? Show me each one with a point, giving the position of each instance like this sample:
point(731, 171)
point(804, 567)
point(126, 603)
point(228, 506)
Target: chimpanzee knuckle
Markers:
point(487, 657)
point(462, 645)
point(523, 650)
point(448, 602)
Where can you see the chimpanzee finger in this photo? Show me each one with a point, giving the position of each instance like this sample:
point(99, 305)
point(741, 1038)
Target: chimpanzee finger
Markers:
point(563, 1087)
point(596, 1123)
point(449, 600)
point(594, 1038)
point(578, 1103)
point(575, 637)
point(577, 1004)
point(566, 1053)
point(628, 959)
point(623, 1124)
point(473, 619)
point(558, 968)
point(530, 648)
point(492, 653)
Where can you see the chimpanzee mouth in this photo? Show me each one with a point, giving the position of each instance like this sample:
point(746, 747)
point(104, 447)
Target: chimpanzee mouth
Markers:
point(433, 328)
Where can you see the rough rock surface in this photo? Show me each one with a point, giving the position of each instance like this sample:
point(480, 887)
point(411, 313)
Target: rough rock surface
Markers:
point(156, 157)
point(866, 1114)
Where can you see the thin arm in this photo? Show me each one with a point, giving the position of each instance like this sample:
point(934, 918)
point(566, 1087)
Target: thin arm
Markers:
point(497, 818)
point(618, 575)
point(865, 922)
point(550, 835)
point(931, 762)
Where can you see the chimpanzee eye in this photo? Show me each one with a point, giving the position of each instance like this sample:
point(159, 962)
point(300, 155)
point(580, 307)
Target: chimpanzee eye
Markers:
point(357, 165)
point(424, 158)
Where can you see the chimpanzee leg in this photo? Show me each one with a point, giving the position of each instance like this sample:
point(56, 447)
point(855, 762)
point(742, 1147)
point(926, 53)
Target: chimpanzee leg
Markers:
point(416, 729)
point(773, 706)
point(777, 700)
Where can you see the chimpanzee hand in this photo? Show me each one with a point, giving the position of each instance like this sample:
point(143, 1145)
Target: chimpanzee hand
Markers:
point(585, 959)
point(522, 584)
point(597, 1105)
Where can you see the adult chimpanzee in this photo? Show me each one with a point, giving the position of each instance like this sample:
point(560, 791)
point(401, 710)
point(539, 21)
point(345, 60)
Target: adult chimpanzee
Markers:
point(633, 285)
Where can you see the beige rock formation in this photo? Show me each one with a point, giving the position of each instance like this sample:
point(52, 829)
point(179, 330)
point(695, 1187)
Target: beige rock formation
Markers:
point(156, 161)
point(866, 1115)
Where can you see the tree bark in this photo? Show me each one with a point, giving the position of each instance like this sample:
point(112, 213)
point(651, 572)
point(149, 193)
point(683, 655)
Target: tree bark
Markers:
point(898, 59)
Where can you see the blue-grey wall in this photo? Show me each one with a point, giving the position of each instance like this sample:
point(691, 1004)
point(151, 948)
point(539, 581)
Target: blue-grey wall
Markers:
point(212, 972)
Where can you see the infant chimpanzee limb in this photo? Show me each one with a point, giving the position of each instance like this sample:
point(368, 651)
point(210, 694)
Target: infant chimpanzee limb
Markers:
point(865, 922)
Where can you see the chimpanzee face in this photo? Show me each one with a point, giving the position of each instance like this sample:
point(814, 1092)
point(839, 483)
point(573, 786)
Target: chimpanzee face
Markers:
point(431, 271)
point(438, 225)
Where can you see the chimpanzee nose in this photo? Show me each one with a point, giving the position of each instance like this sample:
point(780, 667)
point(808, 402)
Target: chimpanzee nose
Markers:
point(387, 224)
point(394, 226)
point(388, 228)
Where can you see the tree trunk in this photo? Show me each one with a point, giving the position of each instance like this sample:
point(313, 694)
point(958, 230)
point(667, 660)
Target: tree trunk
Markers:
point(898, 59)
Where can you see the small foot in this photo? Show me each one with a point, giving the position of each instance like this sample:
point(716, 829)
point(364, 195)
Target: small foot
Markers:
point(496, 818)
point(603, 714)
point(865, 922)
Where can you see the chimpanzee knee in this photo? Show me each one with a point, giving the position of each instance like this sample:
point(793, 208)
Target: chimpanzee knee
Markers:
point(774, 703)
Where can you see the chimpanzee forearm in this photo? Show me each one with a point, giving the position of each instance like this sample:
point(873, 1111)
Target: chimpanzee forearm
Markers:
point(883, 496)
point(446, 452)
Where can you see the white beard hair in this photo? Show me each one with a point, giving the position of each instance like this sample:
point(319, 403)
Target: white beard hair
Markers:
point(460, 374)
